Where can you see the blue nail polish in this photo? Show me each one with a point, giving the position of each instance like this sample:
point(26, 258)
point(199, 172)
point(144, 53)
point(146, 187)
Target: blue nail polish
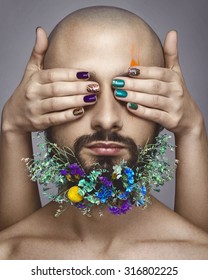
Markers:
point(90, 98)
point(121, 93)
point(118, 83)
point(133, 106)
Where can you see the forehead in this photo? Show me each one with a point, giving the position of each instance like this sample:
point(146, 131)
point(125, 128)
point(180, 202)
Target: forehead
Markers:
point(93, 45)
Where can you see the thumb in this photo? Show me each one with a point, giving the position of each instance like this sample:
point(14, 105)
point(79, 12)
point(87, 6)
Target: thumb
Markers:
point(41, 44)
point(171, 51)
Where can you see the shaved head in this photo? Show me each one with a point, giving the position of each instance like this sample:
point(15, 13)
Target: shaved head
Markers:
point(96, 20)
point(104, 41)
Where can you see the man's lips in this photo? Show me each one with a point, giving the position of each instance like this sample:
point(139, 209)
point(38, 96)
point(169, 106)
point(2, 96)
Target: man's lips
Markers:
point(106, 148)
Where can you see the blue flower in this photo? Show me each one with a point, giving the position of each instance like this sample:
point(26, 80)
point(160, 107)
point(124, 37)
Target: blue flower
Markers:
point(104, 193)
point(143, 190)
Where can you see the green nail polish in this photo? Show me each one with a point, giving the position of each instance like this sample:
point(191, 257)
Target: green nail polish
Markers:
point(121, 93)
point(133, 106)
point(118, 83)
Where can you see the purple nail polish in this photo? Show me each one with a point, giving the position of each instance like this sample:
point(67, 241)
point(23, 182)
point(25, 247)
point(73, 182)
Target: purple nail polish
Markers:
point(90, 98)
point(83, 75)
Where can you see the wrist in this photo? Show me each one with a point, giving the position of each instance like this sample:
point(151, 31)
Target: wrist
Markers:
point(9, 122)
point(197, 132)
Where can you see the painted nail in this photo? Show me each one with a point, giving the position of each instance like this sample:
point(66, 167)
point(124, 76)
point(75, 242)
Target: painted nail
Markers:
point(133, 71)
point(121, 93)
point(90, 98)
point(94, 88)
point(78, 111)
point(83, 75)
point(133, 106)
point(118, 83)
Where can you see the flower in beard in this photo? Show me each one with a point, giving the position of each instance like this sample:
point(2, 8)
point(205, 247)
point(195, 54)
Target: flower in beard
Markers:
point(105, 181)
point(104, 193)
point(76, 170)
point(123, 209)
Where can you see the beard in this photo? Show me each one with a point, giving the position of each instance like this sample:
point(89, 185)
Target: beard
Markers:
point(106, 162)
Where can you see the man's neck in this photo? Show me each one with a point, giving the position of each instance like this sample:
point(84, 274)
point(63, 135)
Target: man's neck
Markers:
point(107, 226)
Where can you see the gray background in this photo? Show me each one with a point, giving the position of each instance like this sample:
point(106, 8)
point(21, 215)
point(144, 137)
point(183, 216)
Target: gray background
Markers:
point(19, 18)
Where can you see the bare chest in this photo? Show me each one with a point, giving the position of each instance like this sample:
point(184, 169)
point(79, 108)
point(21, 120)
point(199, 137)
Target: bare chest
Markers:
point(76, 250)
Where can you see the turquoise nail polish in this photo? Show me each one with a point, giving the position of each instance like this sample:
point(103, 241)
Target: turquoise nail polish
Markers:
point(133, 106)
point(121, 93)
point(118, 83)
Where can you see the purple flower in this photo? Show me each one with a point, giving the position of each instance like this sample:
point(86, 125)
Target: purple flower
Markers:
point(125, 206)
point(104, 180)
point(63, 172)
point(76, 170)
point(80, 205)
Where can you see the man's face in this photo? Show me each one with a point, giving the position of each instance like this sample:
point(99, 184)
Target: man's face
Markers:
point(107, 132)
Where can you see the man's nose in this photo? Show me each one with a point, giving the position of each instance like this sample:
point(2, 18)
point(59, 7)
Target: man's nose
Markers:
point(107, 112)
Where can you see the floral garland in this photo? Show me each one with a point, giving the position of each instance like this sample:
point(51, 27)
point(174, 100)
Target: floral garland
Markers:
point(119, 190)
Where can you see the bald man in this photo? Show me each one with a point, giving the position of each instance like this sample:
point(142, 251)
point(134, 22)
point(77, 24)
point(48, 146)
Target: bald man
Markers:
point(75, 96)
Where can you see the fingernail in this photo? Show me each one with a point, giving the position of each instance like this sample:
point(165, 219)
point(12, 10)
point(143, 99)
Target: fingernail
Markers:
point(133, 106)
point(121, 93)
point(93, 88)
point(118, 83)
point(90, 98)
point(78, 111)
point(83, 75)
point(133, 71)
point(37, 28)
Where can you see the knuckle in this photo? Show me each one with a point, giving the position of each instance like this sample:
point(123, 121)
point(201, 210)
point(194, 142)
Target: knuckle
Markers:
point(52, 104)
point(51, 120)
point(55, 89)
point(35, 122)
point(156, 86)
point(51, 75)
point(158, 116)
point(156, 100)
point(179, 91)
point(30, 92)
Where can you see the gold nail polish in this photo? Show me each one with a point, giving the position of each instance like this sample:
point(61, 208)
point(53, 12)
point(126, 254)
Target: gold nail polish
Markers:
point(78, 111)
point(93, 88)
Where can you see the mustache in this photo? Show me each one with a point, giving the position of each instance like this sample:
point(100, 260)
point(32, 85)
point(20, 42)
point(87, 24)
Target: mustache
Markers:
point(103, 135)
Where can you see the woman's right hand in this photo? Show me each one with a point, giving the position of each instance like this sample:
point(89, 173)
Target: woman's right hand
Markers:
point(45, 98)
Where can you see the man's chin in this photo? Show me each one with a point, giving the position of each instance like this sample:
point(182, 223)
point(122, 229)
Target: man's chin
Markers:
point(104, 162)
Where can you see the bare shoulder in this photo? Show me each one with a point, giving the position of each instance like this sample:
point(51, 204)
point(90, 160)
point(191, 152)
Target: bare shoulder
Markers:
point(7, 247)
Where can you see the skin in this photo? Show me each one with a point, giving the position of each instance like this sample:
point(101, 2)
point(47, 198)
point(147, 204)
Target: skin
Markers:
point(111, 114)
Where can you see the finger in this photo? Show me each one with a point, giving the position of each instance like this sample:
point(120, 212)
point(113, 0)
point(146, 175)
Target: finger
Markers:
point(171, 51)
point(146, 85)
point(156, 73)
point(59, 89)
point(60, 74)
point(148, 100)
point(58, 118)
point(154, 115)
point(64, 103)
point(39, 50)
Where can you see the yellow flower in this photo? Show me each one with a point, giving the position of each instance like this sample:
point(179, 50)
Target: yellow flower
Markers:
point(114, 176)
point(73, 194)
point(68, 177)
